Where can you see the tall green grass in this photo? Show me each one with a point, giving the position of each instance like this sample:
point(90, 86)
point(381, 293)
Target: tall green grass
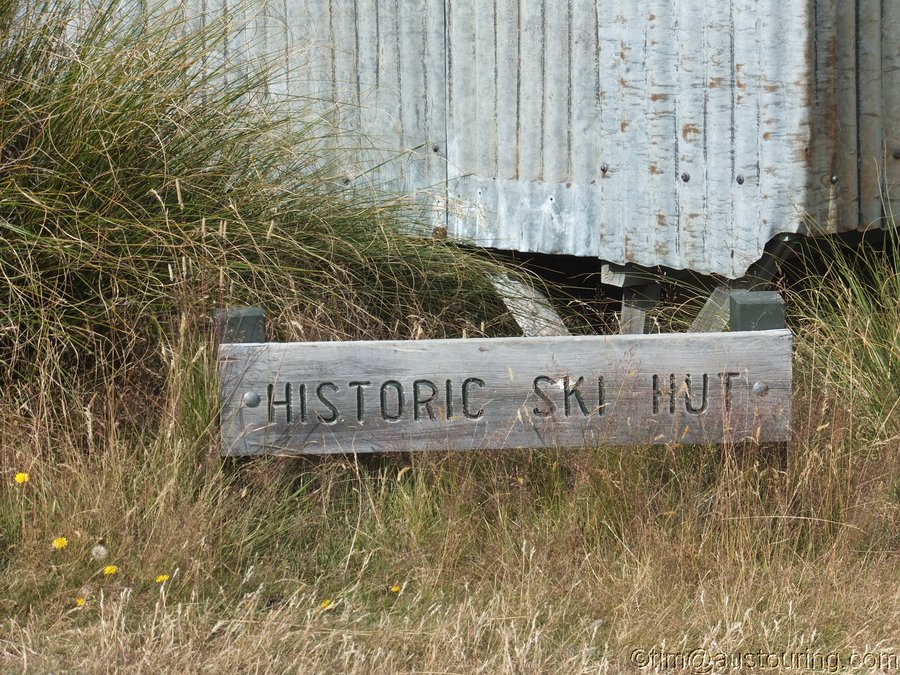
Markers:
point(846, 302)
point(141, 173)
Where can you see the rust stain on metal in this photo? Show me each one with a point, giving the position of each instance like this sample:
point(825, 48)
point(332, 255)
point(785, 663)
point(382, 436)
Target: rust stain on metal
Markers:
point(801, 143)
point(656, 98)
point(767, 136)
point(628, 249)
point(716, 82)
point(740, 84)
point(655, 170)
point(623, 125)
point(771, 88)
point(831, 52)
point(661, 219)
point(829, 114)
point(688, 129)
point(807, 90)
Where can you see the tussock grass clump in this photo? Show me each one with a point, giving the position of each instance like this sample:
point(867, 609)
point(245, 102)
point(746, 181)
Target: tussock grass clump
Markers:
point(848, 310)
point(140, 172)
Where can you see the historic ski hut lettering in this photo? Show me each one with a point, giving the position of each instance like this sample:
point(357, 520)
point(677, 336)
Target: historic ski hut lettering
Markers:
point(510, 392)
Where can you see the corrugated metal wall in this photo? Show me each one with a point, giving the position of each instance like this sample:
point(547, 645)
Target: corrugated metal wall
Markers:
point(685, 134)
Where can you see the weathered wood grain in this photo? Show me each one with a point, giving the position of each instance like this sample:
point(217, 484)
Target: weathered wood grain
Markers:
point(503, 393)
point(530, 308)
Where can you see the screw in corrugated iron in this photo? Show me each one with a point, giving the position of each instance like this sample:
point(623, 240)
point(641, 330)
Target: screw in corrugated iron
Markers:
point(739, 179)
point(604, 167)
point(897, 153)
point(834, 179)
point(685, 176)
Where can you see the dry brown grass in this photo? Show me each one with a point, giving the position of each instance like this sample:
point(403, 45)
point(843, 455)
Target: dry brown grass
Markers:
point(543, 561)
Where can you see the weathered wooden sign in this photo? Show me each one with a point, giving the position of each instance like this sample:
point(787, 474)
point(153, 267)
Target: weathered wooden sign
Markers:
point(337, 397)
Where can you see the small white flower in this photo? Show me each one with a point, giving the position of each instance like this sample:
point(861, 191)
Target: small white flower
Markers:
point(99, 552)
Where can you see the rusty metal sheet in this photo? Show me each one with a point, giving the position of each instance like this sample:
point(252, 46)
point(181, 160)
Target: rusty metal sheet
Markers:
point(681, 134)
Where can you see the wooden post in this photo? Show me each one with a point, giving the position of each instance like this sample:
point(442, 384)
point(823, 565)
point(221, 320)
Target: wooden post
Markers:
point(637, 301)
point(240, 324)
point(755, 310)
point(529, 307)
point(640, 294)
point(714, 315)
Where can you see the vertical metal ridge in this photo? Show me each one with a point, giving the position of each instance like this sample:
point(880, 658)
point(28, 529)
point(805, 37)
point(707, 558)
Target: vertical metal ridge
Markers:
point(858, 111)
point(735, 182)
point(530, 106)
point(332, 52)
point(755, 208)
point(356, 53)
point(705, 135)
point(678, 164)
point(506, 90)
point(401, 91)
point(377, 45)
point(446, 142)
point(285, 38)
point(870, 99)
point(495, 114)
point(426, 104)
point(543, 79)
point(483, 137)
point(570, 72)
point(518, 136)
point(890, 92)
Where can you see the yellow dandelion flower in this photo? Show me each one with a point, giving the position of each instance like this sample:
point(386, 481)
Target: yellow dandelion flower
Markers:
point(395, 588)
point(325, 604)
point(21, 477)
point(109, 570)
point(162, 578)
point(60, 543)
point(79, 602)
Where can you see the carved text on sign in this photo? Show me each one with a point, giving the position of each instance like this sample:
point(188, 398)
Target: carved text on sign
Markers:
point(505, 392)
